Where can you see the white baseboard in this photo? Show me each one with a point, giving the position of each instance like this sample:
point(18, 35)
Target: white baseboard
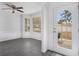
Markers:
point(43, 50)
point(32, 35)
point(9, 36)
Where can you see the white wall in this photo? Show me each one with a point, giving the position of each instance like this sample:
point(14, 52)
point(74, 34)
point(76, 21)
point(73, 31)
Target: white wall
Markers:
point(45, 33)
point(50, 27)
point(9, 25)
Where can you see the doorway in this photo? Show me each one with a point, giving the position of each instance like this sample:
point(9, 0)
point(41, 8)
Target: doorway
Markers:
point(65, 29)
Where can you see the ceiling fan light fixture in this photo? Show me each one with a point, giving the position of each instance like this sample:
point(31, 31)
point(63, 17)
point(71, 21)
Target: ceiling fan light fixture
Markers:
point(15, 8)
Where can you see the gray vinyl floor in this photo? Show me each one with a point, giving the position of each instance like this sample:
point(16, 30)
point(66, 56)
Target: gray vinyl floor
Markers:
point(23, 47)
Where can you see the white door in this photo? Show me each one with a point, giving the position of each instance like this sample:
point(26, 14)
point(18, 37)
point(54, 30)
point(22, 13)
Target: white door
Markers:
point(66, 29)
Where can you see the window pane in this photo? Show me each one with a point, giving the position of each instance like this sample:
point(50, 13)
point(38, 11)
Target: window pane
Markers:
point(37, 24)
point(27, 25)
point(64, 26)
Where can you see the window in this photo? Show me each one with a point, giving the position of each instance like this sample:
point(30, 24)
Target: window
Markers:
point(64, 25)
point(37, 24)
point(27, 24)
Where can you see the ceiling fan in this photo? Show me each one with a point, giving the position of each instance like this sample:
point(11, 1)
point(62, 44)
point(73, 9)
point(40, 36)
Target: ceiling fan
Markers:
point(13, 8)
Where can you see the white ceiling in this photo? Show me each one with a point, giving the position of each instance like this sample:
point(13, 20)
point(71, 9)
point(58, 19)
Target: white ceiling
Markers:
point(28, 7)
point(32, 7)
point(58, 4)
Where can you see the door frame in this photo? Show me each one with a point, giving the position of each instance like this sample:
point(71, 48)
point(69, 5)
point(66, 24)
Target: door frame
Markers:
point(75, 40)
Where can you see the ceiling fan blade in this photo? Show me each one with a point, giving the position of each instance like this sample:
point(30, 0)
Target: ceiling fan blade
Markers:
point(8, 5)
point(19, 7)
point(15, 8)
point(20, 11)
point(12, 6)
